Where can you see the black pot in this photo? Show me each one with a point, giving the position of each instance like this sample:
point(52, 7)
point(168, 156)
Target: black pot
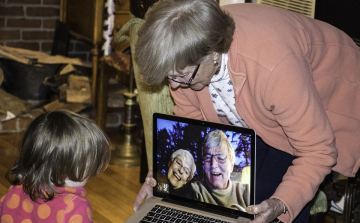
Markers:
point(26, 81)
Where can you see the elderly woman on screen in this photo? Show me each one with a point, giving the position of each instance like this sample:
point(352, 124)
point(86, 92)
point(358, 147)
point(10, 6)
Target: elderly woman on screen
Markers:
point(181, 170)
point(293, 79)
point(218, 162)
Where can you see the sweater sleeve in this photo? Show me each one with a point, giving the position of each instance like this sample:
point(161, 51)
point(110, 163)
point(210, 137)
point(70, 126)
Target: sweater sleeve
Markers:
point(292, 97)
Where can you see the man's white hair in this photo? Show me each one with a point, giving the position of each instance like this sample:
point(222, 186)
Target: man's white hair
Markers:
point(217, 138)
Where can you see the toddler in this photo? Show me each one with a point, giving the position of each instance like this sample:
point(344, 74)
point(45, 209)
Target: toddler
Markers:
point(60, 151)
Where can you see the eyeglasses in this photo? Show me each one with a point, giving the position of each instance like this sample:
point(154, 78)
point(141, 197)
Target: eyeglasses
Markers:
point(220, 158)
point(179, 163)
point(190, 80)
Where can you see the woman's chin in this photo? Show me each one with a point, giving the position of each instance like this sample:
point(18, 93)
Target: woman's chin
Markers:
point(197, 86)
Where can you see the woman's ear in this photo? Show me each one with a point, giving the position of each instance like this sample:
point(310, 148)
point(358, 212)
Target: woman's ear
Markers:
point(215, 55)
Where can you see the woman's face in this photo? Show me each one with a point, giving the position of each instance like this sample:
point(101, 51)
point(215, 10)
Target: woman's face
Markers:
point(217, 170)
point(203, 76)
point(179, 172)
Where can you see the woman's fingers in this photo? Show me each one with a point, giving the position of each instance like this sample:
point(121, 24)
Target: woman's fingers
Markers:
point(145, 191)
point(266, 211)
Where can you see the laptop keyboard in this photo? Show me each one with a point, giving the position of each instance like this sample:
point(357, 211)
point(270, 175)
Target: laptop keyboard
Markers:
point(161, 214)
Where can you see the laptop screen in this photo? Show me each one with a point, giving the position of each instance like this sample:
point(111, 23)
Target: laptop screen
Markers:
point(206, 164)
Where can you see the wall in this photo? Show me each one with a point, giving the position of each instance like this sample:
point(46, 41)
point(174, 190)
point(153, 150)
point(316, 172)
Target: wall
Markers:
point(342, 14)
point(30, 24)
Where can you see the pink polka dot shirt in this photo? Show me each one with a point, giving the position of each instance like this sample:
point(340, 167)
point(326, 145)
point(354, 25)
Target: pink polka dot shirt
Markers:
point(70, 206)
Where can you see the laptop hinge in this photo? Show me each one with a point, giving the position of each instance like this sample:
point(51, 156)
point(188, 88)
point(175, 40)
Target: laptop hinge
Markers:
point(201, 207)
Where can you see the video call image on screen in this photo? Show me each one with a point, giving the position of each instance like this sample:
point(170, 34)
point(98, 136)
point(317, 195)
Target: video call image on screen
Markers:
point(203, 163)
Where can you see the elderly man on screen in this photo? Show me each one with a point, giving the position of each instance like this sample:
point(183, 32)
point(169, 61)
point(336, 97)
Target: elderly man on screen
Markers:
point(218, 163)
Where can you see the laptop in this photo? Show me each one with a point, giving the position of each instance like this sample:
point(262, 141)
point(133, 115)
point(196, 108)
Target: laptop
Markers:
point(195, 200)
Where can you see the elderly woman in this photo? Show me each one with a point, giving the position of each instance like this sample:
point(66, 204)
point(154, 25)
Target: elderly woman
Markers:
point(217, 188)
point(293, 79)
point(181, 170)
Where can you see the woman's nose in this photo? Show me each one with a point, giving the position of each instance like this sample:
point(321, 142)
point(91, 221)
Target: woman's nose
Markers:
point(214, 162)
point(174, 84)
point(181, 170)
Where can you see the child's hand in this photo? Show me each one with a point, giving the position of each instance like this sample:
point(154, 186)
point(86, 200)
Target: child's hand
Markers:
point(146, 190)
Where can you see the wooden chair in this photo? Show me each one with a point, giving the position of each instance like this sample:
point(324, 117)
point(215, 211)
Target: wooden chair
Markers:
point(336, 188)
point(120, 62)
point(350, 189)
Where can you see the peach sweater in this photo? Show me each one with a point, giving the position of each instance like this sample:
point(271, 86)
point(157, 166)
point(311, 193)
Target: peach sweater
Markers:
point(297, 83)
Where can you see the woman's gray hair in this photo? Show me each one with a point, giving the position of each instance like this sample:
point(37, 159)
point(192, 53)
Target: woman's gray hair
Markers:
point(217, 138)
point(188, 157)
point(181, 33)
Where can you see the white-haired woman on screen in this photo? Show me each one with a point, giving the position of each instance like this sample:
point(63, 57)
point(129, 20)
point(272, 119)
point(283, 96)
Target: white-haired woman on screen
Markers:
point(181, 170)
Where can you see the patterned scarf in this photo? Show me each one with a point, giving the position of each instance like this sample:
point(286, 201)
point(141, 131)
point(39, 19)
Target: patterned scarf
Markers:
point(222, 95)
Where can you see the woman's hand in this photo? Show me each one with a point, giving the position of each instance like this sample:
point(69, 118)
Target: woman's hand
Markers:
point(266, 211)
point(146, 190)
